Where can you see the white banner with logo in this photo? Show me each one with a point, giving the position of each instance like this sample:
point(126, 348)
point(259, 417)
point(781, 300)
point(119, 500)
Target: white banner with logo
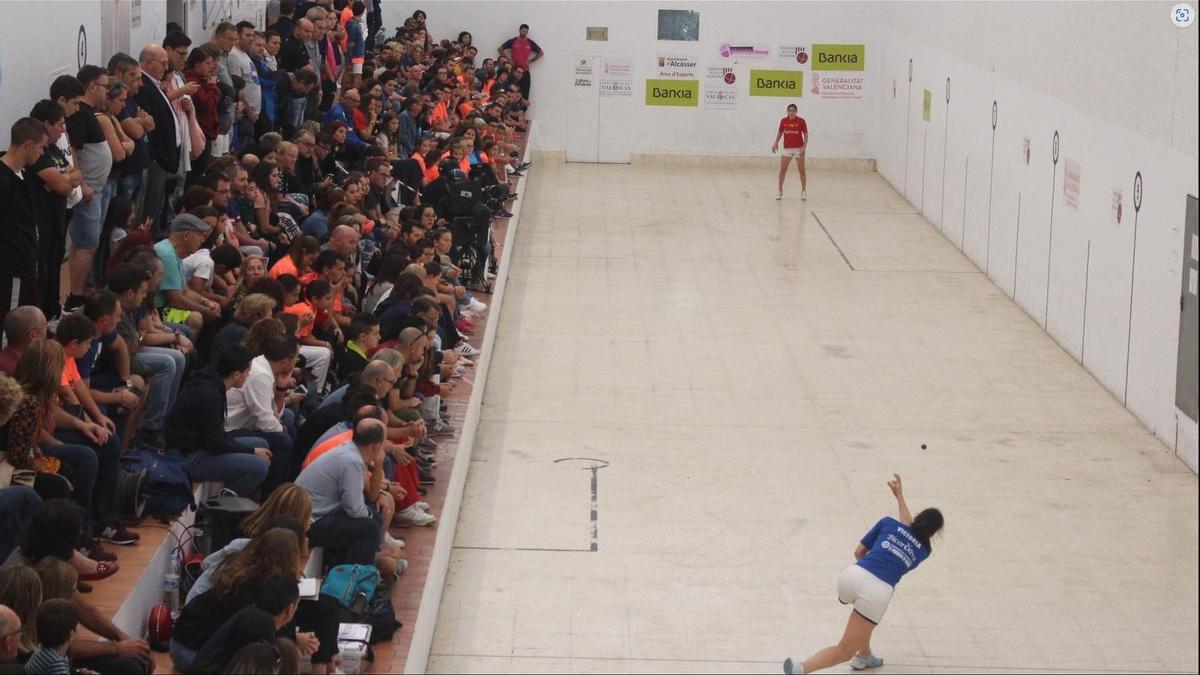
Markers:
point(720, 90)
point(677, 67)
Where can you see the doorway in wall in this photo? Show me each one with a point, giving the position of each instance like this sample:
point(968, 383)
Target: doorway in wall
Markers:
point(114, 29)
point(600, 107)
point(177, 12)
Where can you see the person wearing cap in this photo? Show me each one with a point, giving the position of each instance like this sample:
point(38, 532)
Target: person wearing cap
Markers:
point(177, 302)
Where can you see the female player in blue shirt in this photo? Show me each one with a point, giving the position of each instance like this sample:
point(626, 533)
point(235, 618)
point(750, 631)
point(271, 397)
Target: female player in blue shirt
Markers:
point(890, 550)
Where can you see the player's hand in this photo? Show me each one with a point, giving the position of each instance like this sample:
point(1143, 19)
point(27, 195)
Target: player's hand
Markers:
point(896, 485)
point(774, 148)
point(264, 453)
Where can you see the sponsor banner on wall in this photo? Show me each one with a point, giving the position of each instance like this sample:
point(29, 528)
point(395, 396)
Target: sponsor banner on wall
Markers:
point(729, 50)
point(622, 88)
point(927, 105)
point(793, 54)
point(827, 86)
point(1071, 184)
point(680, 93)
point(585, 69)
point(616, 67)
point(719, 90)
point(785, 83)
point(839, 57)
point(679, 67)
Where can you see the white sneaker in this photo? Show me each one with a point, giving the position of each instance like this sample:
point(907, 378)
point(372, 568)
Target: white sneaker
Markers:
point(862, 663)
point(779, 195)
point(414, 516)
point(422, 505)
point(476, 306)
point(804, 195)
point(389, 540)
point(467, 350)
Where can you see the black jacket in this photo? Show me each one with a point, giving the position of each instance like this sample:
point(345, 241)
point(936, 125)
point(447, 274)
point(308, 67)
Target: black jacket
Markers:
point(18, 225)
point(197, 422)
point(163, 148)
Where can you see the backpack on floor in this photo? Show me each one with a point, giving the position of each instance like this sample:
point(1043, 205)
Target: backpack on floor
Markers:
point(353, 586)
point(166, 488)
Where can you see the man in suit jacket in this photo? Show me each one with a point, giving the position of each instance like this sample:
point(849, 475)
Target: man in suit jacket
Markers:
point(165, 137)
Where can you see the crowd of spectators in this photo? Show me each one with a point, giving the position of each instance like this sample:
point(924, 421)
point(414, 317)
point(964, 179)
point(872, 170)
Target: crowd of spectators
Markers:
point(240, 253)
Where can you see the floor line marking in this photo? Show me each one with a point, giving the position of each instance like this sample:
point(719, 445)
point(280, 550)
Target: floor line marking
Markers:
point(832, 240)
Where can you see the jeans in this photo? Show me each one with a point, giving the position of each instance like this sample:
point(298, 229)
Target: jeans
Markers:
point(17, 505)
point(317, 360)
point(240, 472)
point(358, 538)
point(166, 368)
point(108, 466)
point(182, 657)
point(296, 112)
point(279, 443)
point(81, 465)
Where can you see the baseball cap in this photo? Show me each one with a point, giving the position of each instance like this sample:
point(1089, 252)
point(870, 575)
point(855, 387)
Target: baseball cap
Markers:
point(186, 222)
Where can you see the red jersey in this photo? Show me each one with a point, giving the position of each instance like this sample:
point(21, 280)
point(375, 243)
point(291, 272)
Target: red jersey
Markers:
point(793, 131)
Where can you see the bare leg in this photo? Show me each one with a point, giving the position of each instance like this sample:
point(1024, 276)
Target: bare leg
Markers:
point(803, 173)
point(857, 638)
point(783, 166)
point(80, 265)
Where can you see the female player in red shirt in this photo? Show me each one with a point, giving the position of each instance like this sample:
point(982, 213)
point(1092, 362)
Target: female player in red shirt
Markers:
point(794, 132)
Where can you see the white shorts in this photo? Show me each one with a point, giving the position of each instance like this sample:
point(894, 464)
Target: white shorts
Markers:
point(793, 152)
point(868, 593)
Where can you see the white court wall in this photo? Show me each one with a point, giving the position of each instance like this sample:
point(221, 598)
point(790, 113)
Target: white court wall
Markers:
point(1118, 83)
point(841, 128)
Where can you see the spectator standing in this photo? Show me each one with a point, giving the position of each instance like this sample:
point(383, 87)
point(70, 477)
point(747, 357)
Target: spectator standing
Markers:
point(166, 137)
point(18, 217)
point(95, 162)
point(55, 179)
point(524, 52)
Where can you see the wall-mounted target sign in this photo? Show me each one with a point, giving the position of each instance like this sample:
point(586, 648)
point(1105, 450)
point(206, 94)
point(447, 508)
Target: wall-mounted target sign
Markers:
point(995, 114)
point(1137, 192)
point(81, 47)
point(1054, 149)
point(910, 70)
point(947, 91)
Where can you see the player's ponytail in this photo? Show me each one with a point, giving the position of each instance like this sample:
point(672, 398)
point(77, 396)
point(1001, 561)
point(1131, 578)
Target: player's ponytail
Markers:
point(926, 524)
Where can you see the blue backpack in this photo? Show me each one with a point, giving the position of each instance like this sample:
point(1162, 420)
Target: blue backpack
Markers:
point(353, 586)
point(166, 486)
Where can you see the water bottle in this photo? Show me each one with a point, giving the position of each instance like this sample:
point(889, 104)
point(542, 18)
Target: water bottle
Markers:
point(171, 585)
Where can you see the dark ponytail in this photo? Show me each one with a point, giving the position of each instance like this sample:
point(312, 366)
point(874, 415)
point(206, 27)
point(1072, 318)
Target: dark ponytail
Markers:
point(926, 524)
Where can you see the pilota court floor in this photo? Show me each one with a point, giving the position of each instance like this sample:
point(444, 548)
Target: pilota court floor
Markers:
point(744, 396)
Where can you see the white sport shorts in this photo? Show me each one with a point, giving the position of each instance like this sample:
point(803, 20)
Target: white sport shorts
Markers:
point(866, 592)
point(793, 152)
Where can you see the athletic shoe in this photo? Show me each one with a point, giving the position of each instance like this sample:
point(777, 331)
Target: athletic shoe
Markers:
point(389, 540)
point(412, 516)
point(792, 668)
point(466, 350)
point(114, 533)
point(860, 663)
point(804, 195)
point(425, 477)
point(504, 213)
point(95, 551)
point(428, 443)
point(779, 196)
point(422, 505)
point(441, 428)
point(476, 306)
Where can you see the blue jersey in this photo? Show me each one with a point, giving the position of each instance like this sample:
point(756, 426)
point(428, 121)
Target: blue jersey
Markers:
point(892, 551)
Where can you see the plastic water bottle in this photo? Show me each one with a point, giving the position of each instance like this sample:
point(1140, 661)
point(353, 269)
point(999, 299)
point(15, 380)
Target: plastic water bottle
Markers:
point(171, 585)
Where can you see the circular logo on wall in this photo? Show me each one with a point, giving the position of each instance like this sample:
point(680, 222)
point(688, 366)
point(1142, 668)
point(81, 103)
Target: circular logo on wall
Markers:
point(1183, 15)
point(726, 50)
point(730, 78)
point(81, 47)
point(801, 57)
